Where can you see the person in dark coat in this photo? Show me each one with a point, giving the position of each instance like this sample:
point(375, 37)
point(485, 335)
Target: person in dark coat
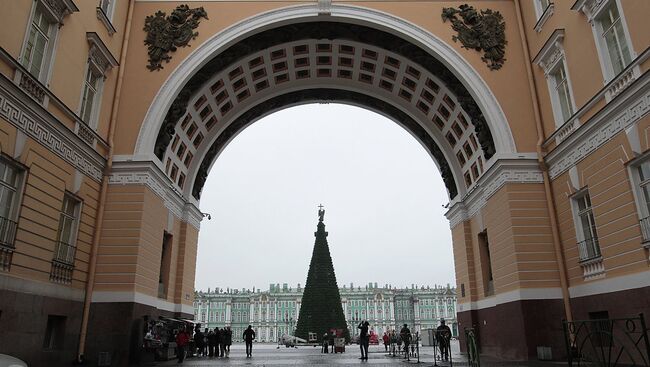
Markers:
point(249, 336)
point(219, 337)
point(405, 333)
point(212, 341)
point(443, 335)
point(228, 341)
point(364, 339)
point(198, 342)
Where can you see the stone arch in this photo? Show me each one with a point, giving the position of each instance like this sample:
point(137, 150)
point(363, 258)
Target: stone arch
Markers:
point(463, 85)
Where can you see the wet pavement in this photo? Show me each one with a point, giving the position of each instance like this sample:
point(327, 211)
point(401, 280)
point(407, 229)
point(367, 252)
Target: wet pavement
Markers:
point(271, 355)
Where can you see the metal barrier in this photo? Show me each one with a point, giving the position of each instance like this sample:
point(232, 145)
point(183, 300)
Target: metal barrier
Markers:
point(442, 347)
point(473, 355)
point(608, 342)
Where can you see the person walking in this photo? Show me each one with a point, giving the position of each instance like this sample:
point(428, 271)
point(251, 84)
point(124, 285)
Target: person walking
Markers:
point(443, 336)
point(364, 339)
point(182, 339)
point(386, 340)
point(219, 338)
point(228, 341)
point(405, 333)
point(249, 336)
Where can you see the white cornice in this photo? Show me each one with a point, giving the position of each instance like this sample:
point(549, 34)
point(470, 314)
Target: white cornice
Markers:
point(502, 172)
point(136, 297)
point(31, 118)
point(150, 175)
point(552, 52)
point(590, 8)
point(630, 106)
point(521, 294)
point(99, 53)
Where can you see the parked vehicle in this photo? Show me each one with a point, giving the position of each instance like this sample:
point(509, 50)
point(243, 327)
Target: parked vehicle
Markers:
point(9, 361)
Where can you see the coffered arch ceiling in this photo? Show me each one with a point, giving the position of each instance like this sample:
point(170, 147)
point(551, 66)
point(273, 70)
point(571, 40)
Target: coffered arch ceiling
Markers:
point(324, 62)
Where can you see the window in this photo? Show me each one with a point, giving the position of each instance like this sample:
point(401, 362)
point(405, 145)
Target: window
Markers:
point(562, 98)
point(68, 223)
point(105, 14)
point(165, 264)
point(586, 227)
point(612, 38)
point(89, 95)
point(10, 185)
point(486, 263)
point(640, 177)
point(54, 333)
point(37, 52)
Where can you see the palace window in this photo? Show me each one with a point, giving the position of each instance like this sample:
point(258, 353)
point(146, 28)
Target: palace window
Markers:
point(39, 45)
point(90, 91)
point(612, 38)
point(486, 264)
point(640, 175)
point(610, 32)
point(10, 187)
point(68, 224)
point(562, 94)
point(543, 11)
point(586, 227)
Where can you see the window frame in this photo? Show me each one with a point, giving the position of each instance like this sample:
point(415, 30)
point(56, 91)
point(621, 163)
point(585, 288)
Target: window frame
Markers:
point(580, 232)
point(542, 13)
point(49, 52)
point(95, 106)
point(74, 230)
point(643, 210)
point(17, 201)
point(601, 44)
point(556, 103)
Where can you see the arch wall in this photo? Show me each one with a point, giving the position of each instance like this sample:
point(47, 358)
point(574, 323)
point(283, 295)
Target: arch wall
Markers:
point(141, 186)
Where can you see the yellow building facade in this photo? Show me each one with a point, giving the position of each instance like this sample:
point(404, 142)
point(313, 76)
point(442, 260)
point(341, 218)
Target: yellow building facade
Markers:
point(110, 123)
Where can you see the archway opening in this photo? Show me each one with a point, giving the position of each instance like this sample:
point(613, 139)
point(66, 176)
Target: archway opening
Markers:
point(384, 199)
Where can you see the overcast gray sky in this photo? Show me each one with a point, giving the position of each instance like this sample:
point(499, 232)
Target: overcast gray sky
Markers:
point(382, 194)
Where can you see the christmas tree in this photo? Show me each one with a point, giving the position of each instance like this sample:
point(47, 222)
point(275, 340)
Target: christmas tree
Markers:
point(321, 308)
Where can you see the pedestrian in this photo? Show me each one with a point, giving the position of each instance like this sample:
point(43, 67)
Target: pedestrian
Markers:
point(325, 347)
point(182, 339)
point(443, 335)
point(212, 341)
point(228, 341)
point(393, 342)
point(249, 336)
point(218, 336)
point(386, 340)
point(198, 342)
point(364, 339)
point(405, 333)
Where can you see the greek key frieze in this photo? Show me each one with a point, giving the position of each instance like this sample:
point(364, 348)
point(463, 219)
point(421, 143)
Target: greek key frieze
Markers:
point(28, 122)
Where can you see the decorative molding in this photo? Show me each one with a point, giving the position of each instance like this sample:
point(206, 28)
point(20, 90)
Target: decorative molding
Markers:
point(32, 87)
point(611, 284)
point(105, 21)
point(324, 7)
point(150, 175)
point(137, 297)
point(521, 294)
point(629, 107)
point(30, 118)
point(99, 55)
point(590, 8)
point(502, 172)
point(593, 269)
point(546, 15)
point(480, 31)
point(485, 99)
point(59, 9)
point(166, 33)
point(551, 53)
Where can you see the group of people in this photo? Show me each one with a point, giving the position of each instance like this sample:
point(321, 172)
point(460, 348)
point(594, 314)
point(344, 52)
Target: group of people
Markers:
point(404, 337)
point(211, 343)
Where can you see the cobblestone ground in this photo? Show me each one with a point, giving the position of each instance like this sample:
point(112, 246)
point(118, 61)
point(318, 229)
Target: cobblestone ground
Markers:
point(270, 355)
